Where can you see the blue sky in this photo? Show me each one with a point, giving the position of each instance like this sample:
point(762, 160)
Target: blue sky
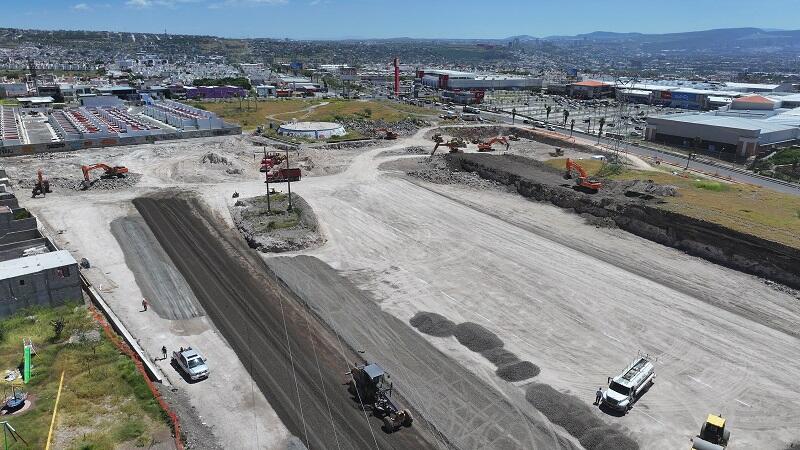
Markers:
point(324, 19)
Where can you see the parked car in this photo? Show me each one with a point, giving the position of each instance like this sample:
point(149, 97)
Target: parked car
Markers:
point(191, 363)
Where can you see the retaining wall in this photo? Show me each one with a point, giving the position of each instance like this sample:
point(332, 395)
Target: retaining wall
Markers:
point(713, 242)
point(70, 146)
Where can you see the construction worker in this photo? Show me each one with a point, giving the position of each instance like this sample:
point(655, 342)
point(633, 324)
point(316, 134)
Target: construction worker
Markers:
point(164, 351)
point(598, 396)
point(144, 304)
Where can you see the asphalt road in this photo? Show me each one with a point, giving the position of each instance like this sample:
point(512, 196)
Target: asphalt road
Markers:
point(737, 175)
point(296, 361)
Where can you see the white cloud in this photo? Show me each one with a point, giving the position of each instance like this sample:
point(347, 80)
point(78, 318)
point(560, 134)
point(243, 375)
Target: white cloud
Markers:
point(81, 7)
point(246, 3)
point(139, 3)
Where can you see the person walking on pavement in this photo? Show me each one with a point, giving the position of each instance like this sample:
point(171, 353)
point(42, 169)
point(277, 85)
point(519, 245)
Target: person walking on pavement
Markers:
point(598, 396)
point(144, 304)
point(164, 351)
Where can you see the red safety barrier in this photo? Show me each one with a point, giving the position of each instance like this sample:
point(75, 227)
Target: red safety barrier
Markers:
point(124, 348)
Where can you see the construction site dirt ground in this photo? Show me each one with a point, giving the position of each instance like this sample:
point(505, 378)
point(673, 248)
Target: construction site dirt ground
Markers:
point(576, 300)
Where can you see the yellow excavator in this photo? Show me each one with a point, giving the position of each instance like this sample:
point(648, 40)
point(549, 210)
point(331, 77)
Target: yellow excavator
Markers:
point(713, 435)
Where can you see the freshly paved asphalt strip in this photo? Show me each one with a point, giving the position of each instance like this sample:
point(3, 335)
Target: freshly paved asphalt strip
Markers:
point(296, 361)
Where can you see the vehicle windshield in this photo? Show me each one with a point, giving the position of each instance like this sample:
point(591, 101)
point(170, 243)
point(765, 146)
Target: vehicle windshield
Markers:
point(616, 387)
point(194, 362)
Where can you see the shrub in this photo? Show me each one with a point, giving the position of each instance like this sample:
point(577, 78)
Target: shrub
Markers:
point(708, 185)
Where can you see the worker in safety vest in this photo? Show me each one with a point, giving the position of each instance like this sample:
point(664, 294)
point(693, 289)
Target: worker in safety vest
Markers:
point(598, 396)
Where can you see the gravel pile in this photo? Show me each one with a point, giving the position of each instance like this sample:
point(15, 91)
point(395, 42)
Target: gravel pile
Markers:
point(367, 127)
point(432, 324)
point(65, 185)
point(479, 340)
point(475, 337)
point(517, 371)
point(445, 176)
point(214, 158)
point(578, 419)
point(110, 184)
point(195, 433)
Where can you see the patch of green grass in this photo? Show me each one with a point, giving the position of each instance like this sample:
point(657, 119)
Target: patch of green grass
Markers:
point(9, 102)
point(709, 185)
point(104, 396)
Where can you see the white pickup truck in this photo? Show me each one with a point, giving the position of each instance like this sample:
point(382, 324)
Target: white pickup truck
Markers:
point(625, 388)
point(191, 363)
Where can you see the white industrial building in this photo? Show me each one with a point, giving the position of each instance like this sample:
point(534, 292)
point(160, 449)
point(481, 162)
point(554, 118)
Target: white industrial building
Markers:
point(748, 125)
point(455, 80)
point(181, 116)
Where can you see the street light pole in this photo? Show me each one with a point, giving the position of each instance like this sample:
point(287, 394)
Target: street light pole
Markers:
point(266, 180)
point(288, 180)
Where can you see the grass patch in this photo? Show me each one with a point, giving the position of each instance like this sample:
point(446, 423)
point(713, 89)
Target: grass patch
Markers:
point(9, 102)
point(337, 110)
point(253, 114)
point(351, 135)
point(105, 401)
point(709, 185)
point(749, 209)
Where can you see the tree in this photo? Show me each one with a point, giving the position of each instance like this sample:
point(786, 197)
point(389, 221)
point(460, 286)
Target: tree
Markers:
point(566, 116)
point(547, 108)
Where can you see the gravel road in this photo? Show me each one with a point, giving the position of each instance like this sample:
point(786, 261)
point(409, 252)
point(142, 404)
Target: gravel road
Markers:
point(297, 363)
point(161, 283)
point(454, 400)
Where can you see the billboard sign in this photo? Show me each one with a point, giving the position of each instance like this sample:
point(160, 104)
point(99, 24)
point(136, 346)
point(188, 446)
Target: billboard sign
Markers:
point(684, 97)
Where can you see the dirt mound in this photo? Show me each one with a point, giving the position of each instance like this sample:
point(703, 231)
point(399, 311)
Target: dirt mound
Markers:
point(499, 356)
point(476, 337)
point(432, 324)
point(214, 158)
point(517, 371)
point(578, 419)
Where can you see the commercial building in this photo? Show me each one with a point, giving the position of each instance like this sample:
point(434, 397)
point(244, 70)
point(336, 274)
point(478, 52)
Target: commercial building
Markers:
point(198, 92)
point(589, 89)
point(748, 126)
point(181, 116)
point(13, 90)
point(266, 90)
point(455, 80)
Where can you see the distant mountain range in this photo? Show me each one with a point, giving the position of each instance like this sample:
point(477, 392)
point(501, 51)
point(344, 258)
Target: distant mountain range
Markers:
point(742, 39)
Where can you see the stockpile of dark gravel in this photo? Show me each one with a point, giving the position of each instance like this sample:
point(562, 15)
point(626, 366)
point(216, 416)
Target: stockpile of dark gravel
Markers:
point(432, 324)
point(480, 340)
point(578, 419)
point(475, 337)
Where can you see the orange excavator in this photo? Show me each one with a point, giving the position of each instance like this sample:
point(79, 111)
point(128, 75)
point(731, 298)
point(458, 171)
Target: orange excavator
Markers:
point(42, 185)
point(387, 133)
point(487, 146)
point(108, 172)
point(582, 180)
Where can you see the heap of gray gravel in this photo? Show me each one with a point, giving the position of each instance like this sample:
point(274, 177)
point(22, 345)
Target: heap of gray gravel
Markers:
point(432, 324)
point(578, 419)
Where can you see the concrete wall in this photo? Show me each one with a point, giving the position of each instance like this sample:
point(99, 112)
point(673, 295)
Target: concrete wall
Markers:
point(51, 287)
point(70, 146)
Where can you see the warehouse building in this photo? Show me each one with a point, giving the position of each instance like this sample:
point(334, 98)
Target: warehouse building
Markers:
point(748, 126)
point(455, 80)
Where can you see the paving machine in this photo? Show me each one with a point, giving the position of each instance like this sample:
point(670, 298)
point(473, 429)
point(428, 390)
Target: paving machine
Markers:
point(108, 172)
point(42, 185)
point(582, 180)
point(372, 387)
point(713, 435)
point(487, 146)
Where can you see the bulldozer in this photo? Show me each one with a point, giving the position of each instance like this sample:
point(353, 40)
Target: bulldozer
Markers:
point(487, 146)
point(42, 185)
point(558, 152)
point(372, 386)
point(108, 172)
point(713, 435)
point(582, 180)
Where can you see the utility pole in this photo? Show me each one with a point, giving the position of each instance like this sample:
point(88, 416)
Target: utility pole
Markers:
point(266, 180)
point(288, 180)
